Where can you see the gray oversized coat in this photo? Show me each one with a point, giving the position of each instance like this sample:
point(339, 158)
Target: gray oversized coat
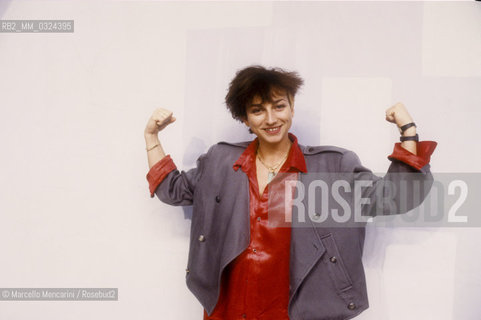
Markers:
point(321, 287)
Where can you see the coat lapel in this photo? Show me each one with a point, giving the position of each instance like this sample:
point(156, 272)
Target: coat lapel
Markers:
point(238, 229)
point(306, 248)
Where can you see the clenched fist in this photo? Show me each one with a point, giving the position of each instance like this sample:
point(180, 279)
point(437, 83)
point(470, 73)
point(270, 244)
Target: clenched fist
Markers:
point(398, 114)
point(160, 119)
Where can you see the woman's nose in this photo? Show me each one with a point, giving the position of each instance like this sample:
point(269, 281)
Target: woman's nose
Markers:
point(271, 117)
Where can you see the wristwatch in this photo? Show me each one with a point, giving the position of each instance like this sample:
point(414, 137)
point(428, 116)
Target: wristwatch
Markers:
point(410, 138)
point(406, 126)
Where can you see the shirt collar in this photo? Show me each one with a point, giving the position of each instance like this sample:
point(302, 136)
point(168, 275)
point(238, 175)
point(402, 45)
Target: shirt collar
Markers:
point(295, 160)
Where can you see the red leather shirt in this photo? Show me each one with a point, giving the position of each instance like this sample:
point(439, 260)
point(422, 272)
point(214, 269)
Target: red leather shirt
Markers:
point(256, 284)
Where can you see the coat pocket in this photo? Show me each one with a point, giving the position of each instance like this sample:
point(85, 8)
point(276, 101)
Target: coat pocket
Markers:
point(335, 265)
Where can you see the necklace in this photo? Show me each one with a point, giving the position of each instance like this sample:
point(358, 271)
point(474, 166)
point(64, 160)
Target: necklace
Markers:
point(272, 170)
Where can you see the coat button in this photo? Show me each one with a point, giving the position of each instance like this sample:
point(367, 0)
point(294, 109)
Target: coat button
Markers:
point(333, 259)
point(351, 306)
point(201, 238)
point(217, 199)
point(187, 270)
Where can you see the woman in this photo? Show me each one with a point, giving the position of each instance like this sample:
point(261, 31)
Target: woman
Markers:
point(240, 265)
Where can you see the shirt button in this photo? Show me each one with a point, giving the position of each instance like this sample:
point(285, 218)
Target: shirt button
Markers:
point(255, 250)
point(244, 315)
point(258, 218)
point(201, 238)
point(333, 259)
point(351, 306)
point(217, 199)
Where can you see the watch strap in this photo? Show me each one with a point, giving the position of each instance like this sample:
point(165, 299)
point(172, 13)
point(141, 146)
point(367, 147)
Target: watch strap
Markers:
point(406, 126)
point(410, 138)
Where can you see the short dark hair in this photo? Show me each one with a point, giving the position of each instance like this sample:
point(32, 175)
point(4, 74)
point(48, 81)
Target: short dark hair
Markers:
point(257, 80)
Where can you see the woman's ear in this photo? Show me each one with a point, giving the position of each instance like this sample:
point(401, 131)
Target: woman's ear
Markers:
point(244, 120)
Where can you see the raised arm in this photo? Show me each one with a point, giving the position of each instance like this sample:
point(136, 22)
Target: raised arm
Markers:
point(399, 115)
point(408, 179)
point(171, 186)
point(160, 119)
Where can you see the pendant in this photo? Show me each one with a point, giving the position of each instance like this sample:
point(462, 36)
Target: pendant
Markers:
point(270, 176)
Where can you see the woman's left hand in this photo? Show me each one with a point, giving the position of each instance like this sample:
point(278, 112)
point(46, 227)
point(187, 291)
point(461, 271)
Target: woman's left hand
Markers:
point(398, 114)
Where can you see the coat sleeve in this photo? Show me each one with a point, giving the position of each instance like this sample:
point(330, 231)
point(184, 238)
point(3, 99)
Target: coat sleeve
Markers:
point(403, 188)
point(172, 186)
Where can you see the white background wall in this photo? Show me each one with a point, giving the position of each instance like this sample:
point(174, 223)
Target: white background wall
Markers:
point(74, 204)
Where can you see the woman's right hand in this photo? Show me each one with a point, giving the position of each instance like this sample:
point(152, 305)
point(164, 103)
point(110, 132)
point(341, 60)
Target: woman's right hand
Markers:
point(160, 119)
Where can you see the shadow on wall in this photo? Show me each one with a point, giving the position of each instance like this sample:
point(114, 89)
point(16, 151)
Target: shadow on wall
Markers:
point(187, 212)
point(194, 149)
point(306, 126)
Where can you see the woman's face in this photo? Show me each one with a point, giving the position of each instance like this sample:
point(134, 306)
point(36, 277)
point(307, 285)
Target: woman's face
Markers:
point(270, 122)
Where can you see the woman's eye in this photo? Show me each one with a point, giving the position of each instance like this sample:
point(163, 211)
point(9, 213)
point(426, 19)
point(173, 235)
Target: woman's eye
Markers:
point(256, 110)
point(281, 106)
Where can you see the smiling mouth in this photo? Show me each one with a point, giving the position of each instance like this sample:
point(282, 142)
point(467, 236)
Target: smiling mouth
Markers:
point(273, 130)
